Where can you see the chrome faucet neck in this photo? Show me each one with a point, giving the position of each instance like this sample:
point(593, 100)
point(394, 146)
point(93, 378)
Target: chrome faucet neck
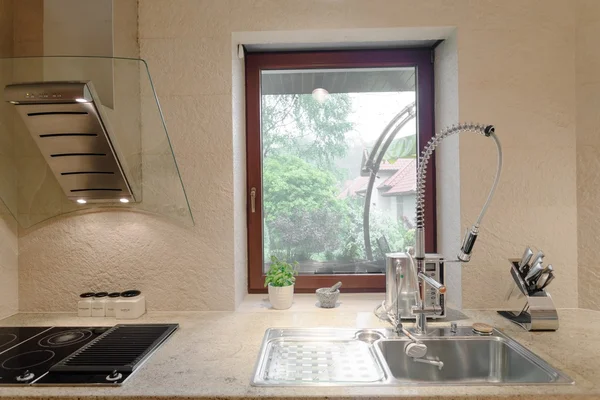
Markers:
point(421, 324)
point(420, 311)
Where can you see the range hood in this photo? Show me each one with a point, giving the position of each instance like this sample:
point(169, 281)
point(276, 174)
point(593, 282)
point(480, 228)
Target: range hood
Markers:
point(84, 135)
point(67, 123)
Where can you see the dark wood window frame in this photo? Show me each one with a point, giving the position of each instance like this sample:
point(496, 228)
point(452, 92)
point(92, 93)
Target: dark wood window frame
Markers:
point(420, 58)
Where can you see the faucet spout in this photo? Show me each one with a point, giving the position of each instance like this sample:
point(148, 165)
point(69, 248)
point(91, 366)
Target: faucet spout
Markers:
point(439, 364)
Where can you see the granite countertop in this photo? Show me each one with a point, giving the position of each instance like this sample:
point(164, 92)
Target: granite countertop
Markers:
point(213, 354)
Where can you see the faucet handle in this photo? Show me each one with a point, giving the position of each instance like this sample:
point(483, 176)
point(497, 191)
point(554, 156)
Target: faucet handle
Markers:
point(415, 350)
point(433, 283)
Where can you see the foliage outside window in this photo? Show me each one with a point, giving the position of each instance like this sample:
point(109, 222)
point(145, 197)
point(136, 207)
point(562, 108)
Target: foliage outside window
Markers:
point(304, 216)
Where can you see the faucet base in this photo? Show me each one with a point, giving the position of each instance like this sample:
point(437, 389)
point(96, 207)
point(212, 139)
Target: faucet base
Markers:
point(421, 325)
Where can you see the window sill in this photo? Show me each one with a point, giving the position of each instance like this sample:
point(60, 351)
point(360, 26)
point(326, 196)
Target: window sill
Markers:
point(304, 302)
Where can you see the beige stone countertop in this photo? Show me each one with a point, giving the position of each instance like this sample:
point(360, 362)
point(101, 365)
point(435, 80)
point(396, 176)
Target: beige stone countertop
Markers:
point(212, 355)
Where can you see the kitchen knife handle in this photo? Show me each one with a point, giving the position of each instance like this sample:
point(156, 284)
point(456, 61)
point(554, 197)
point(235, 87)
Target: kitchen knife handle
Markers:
point(526, 258)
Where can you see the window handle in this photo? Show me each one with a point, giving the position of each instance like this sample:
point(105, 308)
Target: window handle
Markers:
point(253, 200)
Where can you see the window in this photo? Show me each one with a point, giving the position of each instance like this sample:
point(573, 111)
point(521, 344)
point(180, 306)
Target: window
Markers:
point(326, 188)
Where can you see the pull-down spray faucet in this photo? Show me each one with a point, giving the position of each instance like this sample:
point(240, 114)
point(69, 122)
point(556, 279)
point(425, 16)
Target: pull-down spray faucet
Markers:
point(464, 255)
point(417, 263)
point(415, 348)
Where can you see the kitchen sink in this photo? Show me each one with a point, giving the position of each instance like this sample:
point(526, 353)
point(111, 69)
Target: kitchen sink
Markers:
point(376, 357)
point(477, 361)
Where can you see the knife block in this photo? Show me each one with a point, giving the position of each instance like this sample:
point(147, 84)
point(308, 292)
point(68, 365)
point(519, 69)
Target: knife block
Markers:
point(538, 312)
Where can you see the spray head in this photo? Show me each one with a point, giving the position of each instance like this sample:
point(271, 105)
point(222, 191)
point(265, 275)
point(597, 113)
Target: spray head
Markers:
point(468, 243)
point(419, 243)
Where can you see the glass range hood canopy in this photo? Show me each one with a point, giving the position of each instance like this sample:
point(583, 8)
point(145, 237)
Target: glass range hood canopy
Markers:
point(84, 133)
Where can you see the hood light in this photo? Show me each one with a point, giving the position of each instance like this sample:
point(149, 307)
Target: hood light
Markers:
point(80, 100)
point(124, 200)
point(81, 201)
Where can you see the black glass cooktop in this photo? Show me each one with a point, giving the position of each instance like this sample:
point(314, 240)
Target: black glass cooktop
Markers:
point(77, 355)
point(10, 337)
point(26, 354)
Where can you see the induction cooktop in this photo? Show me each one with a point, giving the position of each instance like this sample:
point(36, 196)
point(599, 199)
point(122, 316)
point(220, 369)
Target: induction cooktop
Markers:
point(77, 355)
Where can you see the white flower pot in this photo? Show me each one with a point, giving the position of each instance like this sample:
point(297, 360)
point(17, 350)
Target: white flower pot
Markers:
point(281, 297)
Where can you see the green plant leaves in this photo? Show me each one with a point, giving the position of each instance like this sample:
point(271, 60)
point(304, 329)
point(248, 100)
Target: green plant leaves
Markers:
point(281, 273)
point(404, 147)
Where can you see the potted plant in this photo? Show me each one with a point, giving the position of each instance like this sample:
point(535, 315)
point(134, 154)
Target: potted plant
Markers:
point(280, 282)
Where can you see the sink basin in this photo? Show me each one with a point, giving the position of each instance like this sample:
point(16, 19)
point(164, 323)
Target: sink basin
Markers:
point(376, 357)
point(476, 361)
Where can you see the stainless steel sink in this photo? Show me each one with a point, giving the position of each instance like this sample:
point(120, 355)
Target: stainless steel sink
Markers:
point(330, 357)
point(477, 361)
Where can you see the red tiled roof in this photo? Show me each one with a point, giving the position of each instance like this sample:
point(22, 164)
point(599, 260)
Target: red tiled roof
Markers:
point(403, 181)
point(354, 186)
point(386, 166)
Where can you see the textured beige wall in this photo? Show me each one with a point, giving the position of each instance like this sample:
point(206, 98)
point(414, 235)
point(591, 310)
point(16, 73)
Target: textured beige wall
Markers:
point(447, 169)
point(28, 28)
point(510, 76)
point(240, 249)
point(6, 28)
point(81, 27)
point(588, 151)
point(9, 299)
point(126, 115)
point(516, 69)
point(38, 194)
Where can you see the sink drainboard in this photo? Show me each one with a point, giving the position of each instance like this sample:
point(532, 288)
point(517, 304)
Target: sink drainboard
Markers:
point(295, 361)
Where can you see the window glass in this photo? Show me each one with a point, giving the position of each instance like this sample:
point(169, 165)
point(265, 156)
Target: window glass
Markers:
point(318, 130)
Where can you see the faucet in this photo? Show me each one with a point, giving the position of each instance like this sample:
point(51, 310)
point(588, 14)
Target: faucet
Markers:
point(419, 260)
point(464, 255)
point(420, 311)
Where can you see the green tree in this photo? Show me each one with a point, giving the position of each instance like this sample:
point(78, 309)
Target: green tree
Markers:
point(404, 147)
point(291, 183)
point(381, 224)
point(302, 212)
point(302, 233)
point(297, 124)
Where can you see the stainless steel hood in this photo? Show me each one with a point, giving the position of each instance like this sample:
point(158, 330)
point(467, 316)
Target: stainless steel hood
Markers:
point(66, 121)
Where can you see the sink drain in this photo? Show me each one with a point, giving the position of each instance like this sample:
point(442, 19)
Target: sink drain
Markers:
point(369, 337)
